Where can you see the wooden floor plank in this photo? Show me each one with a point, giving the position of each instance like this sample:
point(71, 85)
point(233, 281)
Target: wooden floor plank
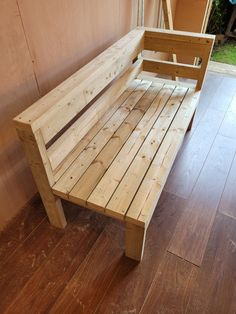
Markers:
point(130, 285)
point(192, 157)
point(45, 285)
point(82, 162)
point(29, 256)
point(223, 95)
point(193, 229)
point(93, 174)
point(228, 200)
point(172, 287)
point(214, 288)
point(228, 127)
point(20, 228)
point(89, 283)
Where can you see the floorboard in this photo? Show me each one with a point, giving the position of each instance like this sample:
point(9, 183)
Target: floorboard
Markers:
point(194, 226)
point(130, 285)
point(47, 283)
point(228, 200)
point(214, 288)
point(172, 287)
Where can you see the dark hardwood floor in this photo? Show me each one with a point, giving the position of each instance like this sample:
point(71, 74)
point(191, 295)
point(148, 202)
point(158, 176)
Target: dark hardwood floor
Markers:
point(189, 263)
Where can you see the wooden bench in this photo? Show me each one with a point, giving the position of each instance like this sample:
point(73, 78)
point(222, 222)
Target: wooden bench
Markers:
point(106, 138)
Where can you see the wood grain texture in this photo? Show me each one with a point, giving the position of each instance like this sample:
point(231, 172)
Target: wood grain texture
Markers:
point(52, 277)
point(171, 288)
point(131, 284)
point(193, 229)
point(187, 167)
point(86, 288)
point(228, 200)
point(214, 288)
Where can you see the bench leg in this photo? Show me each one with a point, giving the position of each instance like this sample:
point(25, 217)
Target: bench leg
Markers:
point(54, 210)
point(191, 123)
point(134, 241)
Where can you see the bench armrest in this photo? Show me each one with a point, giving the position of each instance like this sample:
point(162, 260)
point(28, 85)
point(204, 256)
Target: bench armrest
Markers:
point(197, 46)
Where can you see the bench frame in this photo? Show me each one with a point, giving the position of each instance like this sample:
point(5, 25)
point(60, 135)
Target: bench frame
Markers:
point(77, 99)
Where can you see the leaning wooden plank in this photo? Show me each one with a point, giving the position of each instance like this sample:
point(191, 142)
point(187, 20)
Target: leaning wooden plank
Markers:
point(92, 176)
point(146, 198)
point(123, 195)
point(83, 161)
point(64, 165)
point(170, 68)
point(67, 141)
point(55, 110)
point(109, 182)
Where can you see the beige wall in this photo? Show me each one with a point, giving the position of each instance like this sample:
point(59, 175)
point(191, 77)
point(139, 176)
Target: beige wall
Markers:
point(42, 43)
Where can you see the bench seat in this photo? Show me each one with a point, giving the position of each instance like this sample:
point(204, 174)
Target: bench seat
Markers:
point(106, 137)
point(122, 170)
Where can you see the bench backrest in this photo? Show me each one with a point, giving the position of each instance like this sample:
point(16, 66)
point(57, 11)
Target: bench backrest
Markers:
point(53, 127)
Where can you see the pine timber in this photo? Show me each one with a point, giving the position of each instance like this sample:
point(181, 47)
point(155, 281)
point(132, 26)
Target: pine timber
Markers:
point(106, 139)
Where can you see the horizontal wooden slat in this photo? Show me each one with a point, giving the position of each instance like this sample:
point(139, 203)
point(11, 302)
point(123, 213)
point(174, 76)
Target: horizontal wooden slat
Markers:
point(181, 36)
point(170, 68)
point(69, 139)
point(148, 77)
point(145, 200)
point(114, 193)
point(82, 162)
point(61, 168)
point(52, 112)
point(92, 176)
point(174, 47)
point(123, 195)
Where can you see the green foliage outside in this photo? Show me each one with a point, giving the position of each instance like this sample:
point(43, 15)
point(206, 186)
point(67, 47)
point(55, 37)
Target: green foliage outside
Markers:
point(225, 53)
point(219, 16)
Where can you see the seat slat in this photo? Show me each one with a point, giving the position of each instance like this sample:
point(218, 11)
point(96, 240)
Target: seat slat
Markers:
point(146, 198)
point(123, 195)
point(112, 177)
point(91, 177)
point(83, 161)
point(102, 106)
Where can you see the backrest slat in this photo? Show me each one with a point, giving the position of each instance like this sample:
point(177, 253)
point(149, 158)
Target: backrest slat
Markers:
point(55, 110)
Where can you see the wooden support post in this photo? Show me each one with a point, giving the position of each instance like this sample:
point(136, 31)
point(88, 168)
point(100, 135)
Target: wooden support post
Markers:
point(134, 241)
point(37, 158)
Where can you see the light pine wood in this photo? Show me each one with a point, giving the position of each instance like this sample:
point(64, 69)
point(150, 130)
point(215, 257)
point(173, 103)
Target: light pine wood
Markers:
point(36, 154)
point(71, 96)
point(149, 191)
point(83, 161)
point(144, 108)
point(71, 138)
point(112, 150)
point(171, 68)
point(126, 190)
point(134, 241)
point(114, 174)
